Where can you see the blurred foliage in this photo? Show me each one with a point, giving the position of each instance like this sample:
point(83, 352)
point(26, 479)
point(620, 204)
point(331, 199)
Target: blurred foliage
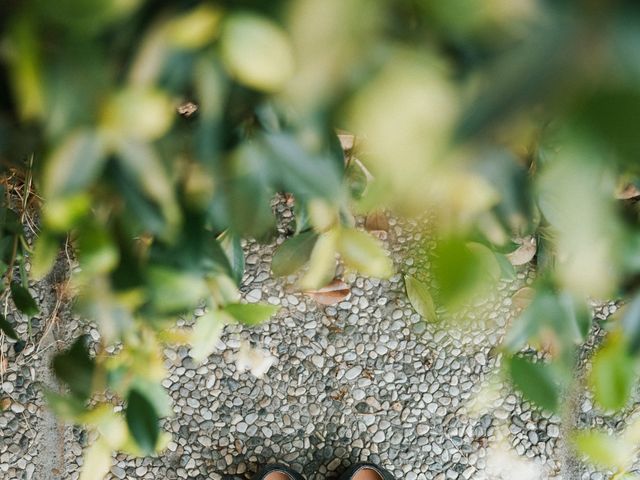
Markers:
point(159, 133)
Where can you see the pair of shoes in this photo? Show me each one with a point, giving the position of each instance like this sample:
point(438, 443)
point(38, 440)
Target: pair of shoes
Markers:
point(359, 471)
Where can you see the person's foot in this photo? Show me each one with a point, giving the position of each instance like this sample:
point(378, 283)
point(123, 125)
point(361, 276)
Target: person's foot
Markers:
point(366, 471)
point(277, 472)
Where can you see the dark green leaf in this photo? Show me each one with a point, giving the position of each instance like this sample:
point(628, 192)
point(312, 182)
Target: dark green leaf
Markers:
point(75, 368)
point(631, 324)
point(535, 381)
point(251, 313)
point(293, 254)
point(6, 327)
point(230, 243)
point(303, 173)
point(23, 300)
point(142, 421)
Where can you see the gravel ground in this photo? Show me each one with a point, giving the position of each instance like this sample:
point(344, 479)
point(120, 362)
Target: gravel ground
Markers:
point(366, 379)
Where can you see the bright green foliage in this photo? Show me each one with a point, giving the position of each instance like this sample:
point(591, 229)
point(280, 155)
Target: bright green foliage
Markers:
point(536, 381)
point(503, 121)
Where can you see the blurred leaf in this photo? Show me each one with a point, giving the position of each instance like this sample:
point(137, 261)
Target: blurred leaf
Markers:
point(604, 450)
point(357, 178)
point(175, 291)
point(141, 162)
point(420, 298)
point(23, 300)
point(97, 253)
point(66, 407)
point(536, 382)
point(142, 421)
point(611, 114)
point(137, 113)
point(62, 214)
point(631, 324)
point(97, 461)
point(256, 52)
point(206, 333)
point(232, 248)
point(156, 394)
point(511, 181)
point(507, 270)
point(6, 327)
point(330, 294)
point(75, 368)
point(322, 263)
point(456, 270)
point(223, 290)
point(251, 314)
point(74, 164)
point(364, 254)
point(613, 374)
point(526, 75)
point(45, 252)
point(563, 313)
point(196, 28)
point(301, 172)
point(24, 55)
point(293, 254)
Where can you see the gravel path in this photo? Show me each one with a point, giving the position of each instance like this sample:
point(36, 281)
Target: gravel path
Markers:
point(366, 379)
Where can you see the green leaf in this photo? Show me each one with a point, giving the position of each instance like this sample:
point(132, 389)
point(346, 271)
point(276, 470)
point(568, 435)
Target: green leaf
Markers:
point(23, 300)
point(305, 174)
point(45, 252)
point(206, 333)
point(631, 324)
point(75, 368)
point(231, 246)
point(96, 250)
point(456, 270)
point(142, 421)
point(613, 374)
point(251, 313)
point(155, 393)
point(97, 461)
point(66, 407)
point(322, 264)
point(174, 291)
point(6, 327)
point(256, 52)
point(420, 298)
point(142, 164)
point(364, 253)
point(356, 178)
point(604, 450)
point(74, 164)
point(293, 254)
point(535, 381)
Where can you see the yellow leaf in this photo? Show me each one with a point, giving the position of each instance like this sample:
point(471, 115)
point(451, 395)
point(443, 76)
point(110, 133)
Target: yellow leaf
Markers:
point(322, 263)
point(196, 28)
point(364, 253)
point(256, 52)
point(97, 461)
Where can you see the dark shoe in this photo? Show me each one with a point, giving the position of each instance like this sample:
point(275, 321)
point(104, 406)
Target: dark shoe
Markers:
point(366, 471)
point(277, 471)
